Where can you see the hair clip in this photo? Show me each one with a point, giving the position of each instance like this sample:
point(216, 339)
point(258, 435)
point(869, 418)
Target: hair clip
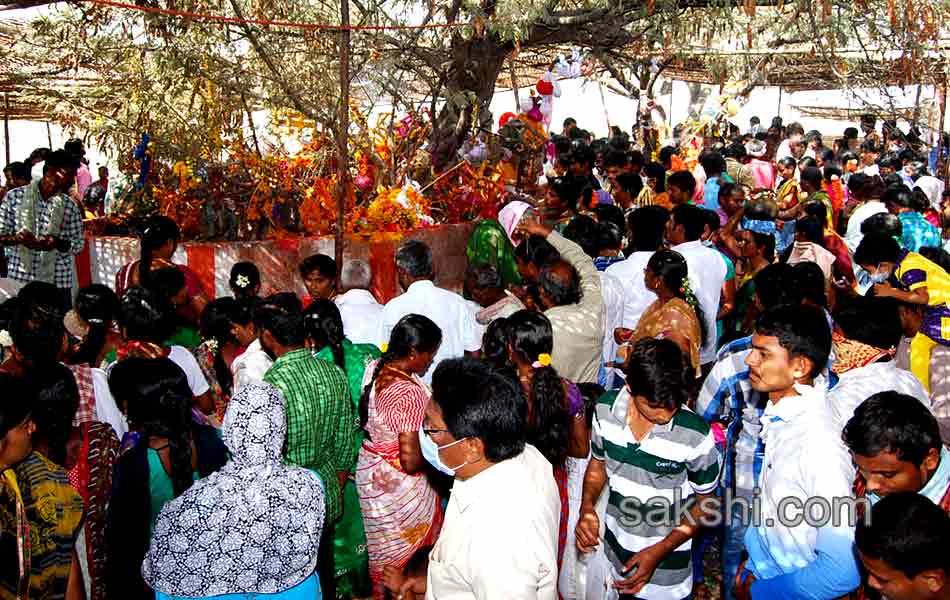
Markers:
point(544, 360)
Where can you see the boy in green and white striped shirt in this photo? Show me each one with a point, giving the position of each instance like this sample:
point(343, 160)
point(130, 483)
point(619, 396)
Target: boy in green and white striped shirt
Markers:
point(660, 462)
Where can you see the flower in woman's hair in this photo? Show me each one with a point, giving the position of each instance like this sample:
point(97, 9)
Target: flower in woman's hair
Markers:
point(212, 345)
point(242, 281)
point(544, 359)
point(6, 341)
point(682, 290)
point(384, 347)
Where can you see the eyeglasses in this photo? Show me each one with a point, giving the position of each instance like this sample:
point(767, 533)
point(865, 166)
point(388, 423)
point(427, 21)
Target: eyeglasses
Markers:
point(429, 432)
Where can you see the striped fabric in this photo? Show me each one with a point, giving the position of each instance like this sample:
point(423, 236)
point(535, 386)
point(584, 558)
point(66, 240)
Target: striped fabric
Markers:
point(401, 512)
point(643, 478)
point(92, 478)
point(320, 419)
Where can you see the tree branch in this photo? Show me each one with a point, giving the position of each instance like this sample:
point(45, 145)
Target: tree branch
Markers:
point(291, 94)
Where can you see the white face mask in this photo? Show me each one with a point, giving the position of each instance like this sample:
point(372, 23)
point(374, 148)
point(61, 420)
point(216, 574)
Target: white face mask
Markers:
point(880, 276)
point(430, 451)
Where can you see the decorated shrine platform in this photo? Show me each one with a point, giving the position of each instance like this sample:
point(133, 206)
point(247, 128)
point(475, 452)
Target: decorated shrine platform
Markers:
point(278, 259)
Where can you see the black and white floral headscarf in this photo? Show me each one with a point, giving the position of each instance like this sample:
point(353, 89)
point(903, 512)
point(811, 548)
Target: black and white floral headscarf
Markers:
point(252, 527)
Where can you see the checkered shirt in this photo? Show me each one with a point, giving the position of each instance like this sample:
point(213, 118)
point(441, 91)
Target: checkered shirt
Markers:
point(70, 230)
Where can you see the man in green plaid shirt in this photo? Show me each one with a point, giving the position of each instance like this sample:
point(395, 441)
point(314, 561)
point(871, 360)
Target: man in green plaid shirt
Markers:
point(320, 418)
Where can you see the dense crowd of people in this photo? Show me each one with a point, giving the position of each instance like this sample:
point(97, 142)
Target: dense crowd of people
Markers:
point(654, 372)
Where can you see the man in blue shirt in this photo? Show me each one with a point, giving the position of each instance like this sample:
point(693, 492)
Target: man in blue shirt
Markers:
point(727, 400)
point(796, 551)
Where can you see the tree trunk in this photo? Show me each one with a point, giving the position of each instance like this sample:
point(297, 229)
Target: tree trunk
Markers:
point(470, 85)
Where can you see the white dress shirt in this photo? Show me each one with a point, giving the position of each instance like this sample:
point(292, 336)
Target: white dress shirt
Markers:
point(804, 459)
point(612, 290)
point(447, 309)
point(853, 235)
point(707, 274)
point(636, 296)
point(189, 364)
point(784, 150)
point(499, 539)
point(361, 315)
point(475, 308)
point(857, 385)
point(106, 409)
point(250, 366)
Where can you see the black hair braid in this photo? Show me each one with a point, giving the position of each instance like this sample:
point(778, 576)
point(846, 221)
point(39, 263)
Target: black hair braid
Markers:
point(412, 332)
point(145, 260)
point(324, 326)
point(179, 441)
point(160, 231)
point(549, 422)
point(336, 348)
point(223, 373)
point(384, 359)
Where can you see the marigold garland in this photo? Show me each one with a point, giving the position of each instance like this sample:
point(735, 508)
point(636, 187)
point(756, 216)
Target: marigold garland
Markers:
point(280, 196)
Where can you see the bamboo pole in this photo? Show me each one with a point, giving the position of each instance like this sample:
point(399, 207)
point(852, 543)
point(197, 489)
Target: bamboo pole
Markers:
point(250, 121)
point(917, 107)
point(603, 103)
point(514, 84)
point(669, 117)
point(343, 135)
point(6, 125)
point(941, 125)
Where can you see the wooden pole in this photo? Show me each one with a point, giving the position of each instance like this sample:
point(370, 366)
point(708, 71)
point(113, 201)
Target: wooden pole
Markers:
point(49, 136)
point(940, 125)
point(779, 113)
point(6, 125)
point(603, 103)
point(343, 135)
point(250, 121)
point(916, 107)
point(514, 84)
point(669, 117)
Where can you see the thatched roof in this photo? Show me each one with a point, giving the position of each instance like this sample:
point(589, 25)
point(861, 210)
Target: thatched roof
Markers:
point(792, 68)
